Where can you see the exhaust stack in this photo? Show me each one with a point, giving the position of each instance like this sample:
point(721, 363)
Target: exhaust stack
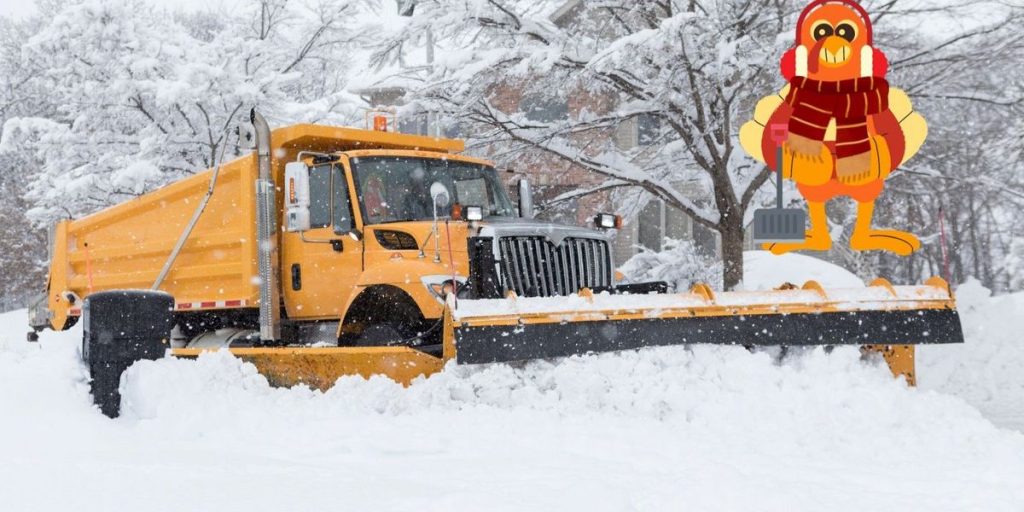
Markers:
point(266, 235)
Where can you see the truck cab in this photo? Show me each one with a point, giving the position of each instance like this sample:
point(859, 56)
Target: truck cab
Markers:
point(375, 240)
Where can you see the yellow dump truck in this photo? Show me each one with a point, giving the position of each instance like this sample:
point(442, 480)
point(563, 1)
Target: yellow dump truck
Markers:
point(331, 251)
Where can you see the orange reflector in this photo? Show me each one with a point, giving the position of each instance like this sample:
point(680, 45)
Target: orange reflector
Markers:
point(380, 123)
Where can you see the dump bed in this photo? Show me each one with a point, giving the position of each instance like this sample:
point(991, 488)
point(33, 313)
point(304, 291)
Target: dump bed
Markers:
point(125, 246)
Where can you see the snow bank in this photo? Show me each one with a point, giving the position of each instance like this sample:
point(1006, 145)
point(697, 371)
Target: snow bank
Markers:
point(988, 370)
point(763, 270)
point(681, 267)
point(707, 428)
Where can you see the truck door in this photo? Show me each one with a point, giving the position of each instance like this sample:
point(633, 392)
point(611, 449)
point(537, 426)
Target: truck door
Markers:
point(320, 266)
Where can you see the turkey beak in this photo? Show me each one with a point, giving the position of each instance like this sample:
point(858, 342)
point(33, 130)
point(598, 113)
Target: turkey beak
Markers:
point(835, 51)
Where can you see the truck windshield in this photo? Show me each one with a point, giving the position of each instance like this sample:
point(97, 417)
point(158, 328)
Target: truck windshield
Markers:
point(394, 189)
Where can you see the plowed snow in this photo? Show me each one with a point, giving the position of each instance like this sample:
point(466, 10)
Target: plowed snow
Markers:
point(699, 428)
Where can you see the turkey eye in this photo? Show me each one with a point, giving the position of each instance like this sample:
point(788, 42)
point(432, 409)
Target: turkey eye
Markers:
point(846, 31)
point(821, 30)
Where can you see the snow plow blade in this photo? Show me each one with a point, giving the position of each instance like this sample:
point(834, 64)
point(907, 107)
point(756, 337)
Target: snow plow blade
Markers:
point(516, 329)
point(320, 367)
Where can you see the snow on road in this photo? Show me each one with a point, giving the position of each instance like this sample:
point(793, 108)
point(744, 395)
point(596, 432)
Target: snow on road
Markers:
point(988, 370)
point(699, 428)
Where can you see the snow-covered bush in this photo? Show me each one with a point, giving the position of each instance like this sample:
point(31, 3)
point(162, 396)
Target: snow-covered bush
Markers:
point(680, 264)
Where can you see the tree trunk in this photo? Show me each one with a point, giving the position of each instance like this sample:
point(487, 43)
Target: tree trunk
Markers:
point(732, 254)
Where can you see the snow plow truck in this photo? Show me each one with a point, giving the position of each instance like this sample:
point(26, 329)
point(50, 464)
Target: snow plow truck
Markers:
point(334, 251)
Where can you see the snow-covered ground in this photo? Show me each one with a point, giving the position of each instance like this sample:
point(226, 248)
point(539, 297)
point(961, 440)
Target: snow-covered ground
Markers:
point(699, 428)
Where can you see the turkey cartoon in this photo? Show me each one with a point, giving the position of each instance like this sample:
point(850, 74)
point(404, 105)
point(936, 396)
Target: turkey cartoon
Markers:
point(837, 126)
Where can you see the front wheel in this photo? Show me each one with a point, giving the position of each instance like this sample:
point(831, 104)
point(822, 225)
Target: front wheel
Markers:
point(386, 316)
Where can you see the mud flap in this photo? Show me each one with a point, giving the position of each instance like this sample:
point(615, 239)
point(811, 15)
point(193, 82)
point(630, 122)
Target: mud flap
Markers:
point(120, 328)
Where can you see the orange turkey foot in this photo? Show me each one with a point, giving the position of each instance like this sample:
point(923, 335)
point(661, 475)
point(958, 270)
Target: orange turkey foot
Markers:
point(896, 242)
point(864, 238)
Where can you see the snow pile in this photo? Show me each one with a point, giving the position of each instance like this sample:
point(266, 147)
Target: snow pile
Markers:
point(763, 270)
point(702, 427)
point(988, 370)
point(714, 428)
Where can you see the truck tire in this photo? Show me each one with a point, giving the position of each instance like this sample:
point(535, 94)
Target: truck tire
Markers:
point(120, 328)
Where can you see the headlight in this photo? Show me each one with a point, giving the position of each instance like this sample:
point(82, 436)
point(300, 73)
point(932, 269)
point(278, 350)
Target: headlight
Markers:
point(474, 213)
point(608, 221)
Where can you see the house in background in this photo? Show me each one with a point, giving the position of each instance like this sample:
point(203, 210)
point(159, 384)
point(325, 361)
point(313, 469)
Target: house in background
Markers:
point(643, 228)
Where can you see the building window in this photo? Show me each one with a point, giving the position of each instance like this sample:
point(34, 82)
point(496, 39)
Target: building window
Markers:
point(544, 108)
point(658, 221)
point(648, 128)
point(678, 225)
point(650, 226)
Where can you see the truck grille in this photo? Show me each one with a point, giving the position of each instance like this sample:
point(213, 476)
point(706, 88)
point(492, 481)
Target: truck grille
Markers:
point(532, 266)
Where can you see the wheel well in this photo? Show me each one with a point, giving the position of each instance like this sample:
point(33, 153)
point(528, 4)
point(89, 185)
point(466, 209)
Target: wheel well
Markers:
point(381, 304)
point(381, 301)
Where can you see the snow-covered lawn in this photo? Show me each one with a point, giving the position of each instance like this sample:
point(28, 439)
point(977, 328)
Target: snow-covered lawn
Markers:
point(699, 428)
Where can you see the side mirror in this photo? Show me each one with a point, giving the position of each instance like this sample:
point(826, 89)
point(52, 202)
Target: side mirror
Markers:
point(525, 199)
point(439, 194)
point(296, 196)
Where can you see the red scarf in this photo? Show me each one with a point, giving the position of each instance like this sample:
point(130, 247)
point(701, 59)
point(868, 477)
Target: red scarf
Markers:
point(849, 102)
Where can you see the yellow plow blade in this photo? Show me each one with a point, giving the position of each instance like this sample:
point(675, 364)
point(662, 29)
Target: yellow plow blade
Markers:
point(320, 367)
point(513, 329)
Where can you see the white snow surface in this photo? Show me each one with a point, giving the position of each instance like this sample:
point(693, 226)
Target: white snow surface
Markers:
point(698, 428)
point(763, 270)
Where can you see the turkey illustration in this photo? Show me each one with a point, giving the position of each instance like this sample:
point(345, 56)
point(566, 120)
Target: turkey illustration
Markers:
point(847, 128)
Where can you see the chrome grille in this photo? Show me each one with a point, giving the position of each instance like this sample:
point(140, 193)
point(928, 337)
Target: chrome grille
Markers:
point(532, 266)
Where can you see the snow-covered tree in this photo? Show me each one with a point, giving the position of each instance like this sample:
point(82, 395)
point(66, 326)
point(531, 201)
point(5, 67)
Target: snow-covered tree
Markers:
point(143, 97)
